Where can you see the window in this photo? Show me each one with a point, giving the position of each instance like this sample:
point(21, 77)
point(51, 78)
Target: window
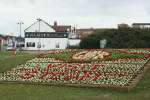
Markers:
point(48, 35)
point(20, 45)
point(44, 35)
point(65, 35)
point(38, 45)
point(27, 35)
point(30, 44)
point(57, 45)
point(38, 35)
point(31, 35)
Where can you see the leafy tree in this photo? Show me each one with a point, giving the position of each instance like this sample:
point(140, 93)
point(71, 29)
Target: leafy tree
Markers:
point(90, 42)
point(118, 38)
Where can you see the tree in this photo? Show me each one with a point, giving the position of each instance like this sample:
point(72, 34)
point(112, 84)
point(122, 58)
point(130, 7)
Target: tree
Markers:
point(118, 38)
point(90, 42)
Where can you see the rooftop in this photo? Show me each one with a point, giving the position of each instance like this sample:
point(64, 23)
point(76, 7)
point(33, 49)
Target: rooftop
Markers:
point(141, 24)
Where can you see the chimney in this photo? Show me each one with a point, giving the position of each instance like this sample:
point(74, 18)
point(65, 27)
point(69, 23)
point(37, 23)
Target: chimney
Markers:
point(55, 23)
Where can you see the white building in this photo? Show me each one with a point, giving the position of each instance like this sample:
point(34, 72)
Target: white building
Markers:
point(74, 42)
point(42, 36)
point(141, 25)
point(8, 42)
point(1, 42)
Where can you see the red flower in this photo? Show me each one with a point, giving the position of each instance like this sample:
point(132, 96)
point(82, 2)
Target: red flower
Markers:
point(148, 56)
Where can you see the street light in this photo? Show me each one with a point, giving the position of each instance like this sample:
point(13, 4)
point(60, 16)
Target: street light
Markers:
point(39, 43)
point(39, 19)
point(20, 24)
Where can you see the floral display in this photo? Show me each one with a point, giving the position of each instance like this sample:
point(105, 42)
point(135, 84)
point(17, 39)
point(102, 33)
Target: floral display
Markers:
point(45, 60)
point(101, 71)
point(61, 51)
point(90, 55)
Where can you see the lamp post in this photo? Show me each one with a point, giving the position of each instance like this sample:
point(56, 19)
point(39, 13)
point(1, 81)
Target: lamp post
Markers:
point(39, 20)
point(39, 43)
point(20, 26)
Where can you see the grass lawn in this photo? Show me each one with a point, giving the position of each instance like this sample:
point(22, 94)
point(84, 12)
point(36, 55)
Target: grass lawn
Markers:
point(64, 56)
point(39, 92)
point(7, 60)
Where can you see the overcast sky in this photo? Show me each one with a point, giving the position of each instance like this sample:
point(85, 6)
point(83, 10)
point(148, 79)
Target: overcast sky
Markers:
point(80, 13)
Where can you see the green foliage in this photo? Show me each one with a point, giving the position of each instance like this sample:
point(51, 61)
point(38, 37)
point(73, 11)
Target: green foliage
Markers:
point(65, 56)
point(118, 38)
point(90, 42)
point(124, 55)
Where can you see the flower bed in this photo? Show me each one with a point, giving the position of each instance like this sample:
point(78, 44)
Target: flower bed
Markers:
point(90, 55)
point(119, 72)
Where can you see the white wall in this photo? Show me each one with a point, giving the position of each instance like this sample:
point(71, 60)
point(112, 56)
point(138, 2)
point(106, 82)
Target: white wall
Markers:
point(3, 43)
point(144, 26)
point(74, 42)
point(43, 27)
point(47, 43)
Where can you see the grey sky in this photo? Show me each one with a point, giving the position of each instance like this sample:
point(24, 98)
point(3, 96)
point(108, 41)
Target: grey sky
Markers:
point(80, 13)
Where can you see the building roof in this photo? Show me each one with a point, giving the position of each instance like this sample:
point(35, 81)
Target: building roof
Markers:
point(87, 31)
point(5, 37)
point(81, 31)
point(45, 27)
point(141, 24)
point(40, 26)
point(1, 35)
point(123, 25)
point(62, 28)
point(84, 32)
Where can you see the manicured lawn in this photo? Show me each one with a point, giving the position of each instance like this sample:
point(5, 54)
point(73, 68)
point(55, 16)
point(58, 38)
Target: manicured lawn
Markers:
point(39, 92)
point(7, 60)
